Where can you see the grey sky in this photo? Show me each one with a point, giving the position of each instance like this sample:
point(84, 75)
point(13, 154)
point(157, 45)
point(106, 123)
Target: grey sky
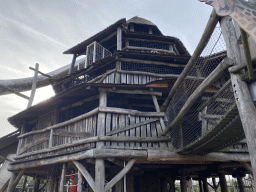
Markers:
point(40, 31)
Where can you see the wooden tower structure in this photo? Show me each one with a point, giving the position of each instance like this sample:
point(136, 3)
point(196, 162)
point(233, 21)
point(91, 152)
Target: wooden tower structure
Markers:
point(105, 125)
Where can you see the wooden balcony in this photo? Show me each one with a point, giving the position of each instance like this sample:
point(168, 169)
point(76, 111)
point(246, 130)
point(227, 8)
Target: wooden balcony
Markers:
point(122, 128)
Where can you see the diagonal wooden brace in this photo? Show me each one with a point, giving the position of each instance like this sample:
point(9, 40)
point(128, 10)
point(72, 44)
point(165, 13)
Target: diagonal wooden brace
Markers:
point(86, 174)
point(120, 175)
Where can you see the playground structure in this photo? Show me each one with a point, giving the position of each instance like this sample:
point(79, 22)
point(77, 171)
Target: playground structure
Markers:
point(137, 112)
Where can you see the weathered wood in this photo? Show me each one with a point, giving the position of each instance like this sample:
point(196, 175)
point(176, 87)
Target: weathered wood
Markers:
point(24, 183)
point(15, 92)
point(149, 49)
point(223, 183)
point(99, 175)
point(200, 185)
point(240, 66)
point(101, 76)
point(79, 183)
point(120, 175)
point(16, 181)
point(141, 92)
point(33, 143)
point(119, 39)
point(132, 131)
point(152, 62)
point(83, 141)
point(46, 75)
point(205, 185)
point(51, 138)
point(183, 183)
point(86, 174)
point(247, 54)
point(63, 177)
point(33, 89)
point(78, 118)
point(158, 110)
point(132, 126)
point(117, 74)
point(65, 133)
point(135, 139)
point(240, 184)
point(210, 100)
point(215, 74)
point(101, 118)
point(121, 123)
point(248, 168)
point(108, 127)
point(201, 45)
point(72, 65)
point(104, 153)
point(130, 112)
point(166, 155)
point(245, 105)
point(11, 181)
point(36, 184)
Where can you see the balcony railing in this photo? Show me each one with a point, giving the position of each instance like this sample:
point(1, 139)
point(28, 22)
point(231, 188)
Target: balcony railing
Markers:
point(123, 128)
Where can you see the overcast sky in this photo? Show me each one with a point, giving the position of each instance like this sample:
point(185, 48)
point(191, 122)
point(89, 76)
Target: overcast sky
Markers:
point(34, 31)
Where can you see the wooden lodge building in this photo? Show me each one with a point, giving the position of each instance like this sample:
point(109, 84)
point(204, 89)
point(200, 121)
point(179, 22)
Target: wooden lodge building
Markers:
point(105, 124)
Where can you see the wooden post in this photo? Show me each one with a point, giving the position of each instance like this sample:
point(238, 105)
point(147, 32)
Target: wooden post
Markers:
point(11, 181)
point(201, 45)
point(51, 138)
point(245, 105)
point(205, 184)
point(14, 180)
point(119, 39)
point(183, 183)
point(223, 182)
point(99, 175)
point(200, 185)
point(117, 75)
point(240, 183)
point(72, 64)
point(33, 89)
point(22, 131)
point(63, 177)
point(119, 186)
point(215, 186)
point(80, 180)
point(36, 184)
point(101, 118)
point(24, 184)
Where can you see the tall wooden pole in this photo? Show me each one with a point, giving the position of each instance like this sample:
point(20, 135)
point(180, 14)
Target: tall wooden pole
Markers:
point(200, 185)
point(223, 183)
point(205, 185)
point(240, 183)
point(63, 177)
point(119, 39)
point(33, 89)
point(99, 175)
point(245, 105)
point(183, 183)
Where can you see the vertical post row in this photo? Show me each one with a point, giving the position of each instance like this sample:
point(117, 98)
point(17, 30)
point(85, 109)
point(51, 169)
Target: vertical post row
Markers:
point(246, 108)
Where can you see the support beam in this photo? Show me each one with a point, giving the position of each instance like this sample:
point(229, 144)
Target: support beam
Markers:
point(120, 175)
point(205, 184)
point(245, 105)
point(63, 177)
point(99, 175)
point(240, 184)
point(248, 168)
point(101, 118)
point(183, 183)
point(119, 39)
point(215, 74)
point(223, 183)
point(213, 20)
point(200, 185)
point(24, 184)
point(79, 183)
point(13, 182)
point(36, 184)
point(33, 89)
point(86, 174)
point(72, 64)
point(15, 92)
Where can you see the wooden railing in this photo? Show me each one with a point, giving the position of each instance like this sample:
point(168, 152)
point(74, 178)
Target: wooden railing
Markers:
point(123, 128)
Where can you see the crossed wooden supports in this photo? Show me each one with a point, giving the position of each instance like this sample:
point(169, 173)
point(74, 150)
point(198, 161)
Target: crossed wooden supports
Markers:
point(99, 183)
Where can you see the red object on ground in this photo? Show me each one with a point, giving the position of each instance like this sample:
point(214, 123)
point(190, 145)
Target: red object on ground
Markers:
point(73, 188)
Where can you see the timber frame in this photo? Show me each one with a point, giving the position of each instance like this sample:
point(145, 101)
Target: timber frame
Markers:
point(107, 123)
